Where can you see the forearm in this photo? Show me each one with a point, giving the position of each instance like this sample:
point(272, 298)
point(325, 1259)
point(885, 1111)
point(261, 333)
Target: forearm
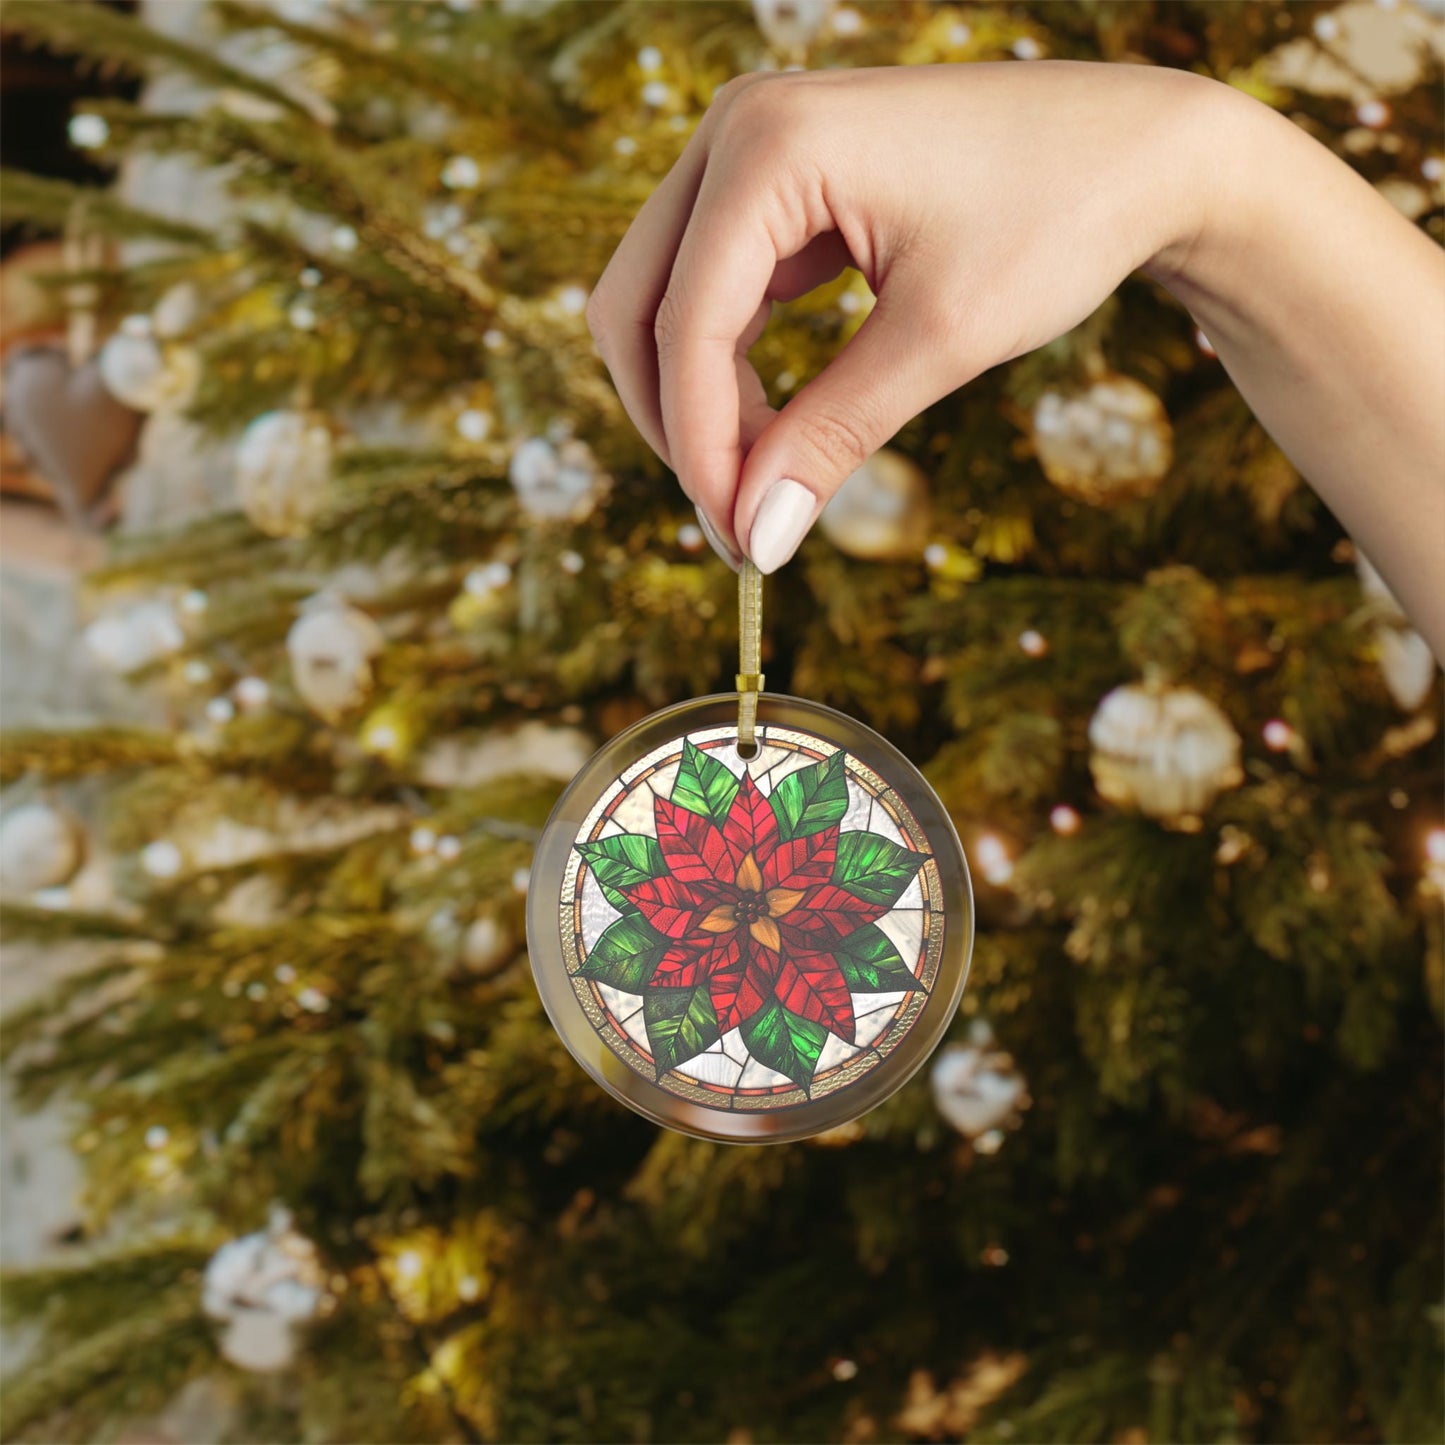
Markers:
point(1327, 309)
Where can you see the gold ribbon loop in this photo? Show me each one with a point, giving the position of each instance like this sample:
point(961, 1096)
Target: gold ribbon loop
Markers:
point(750, 655)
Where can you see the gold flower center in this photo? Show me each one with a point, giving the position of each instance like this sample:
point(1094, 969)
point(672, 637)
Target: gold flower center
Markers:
point(755, 908)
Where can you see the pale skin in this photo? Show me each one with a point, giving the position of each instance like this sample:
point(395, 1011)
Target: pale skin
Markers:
point(991, 208)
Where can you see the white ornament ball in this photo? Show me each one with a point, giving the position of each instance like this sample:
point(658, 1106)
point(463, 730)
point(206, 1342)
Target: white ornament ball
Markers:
point(474, 425)
point(1166, 751)
point(1109, 443)
point(487, 945)
point(252, 693)
point(40, 847)
point(88, 132)
point(461, 173)
point(1405, 658)
point(1408, 665)
point(135, 636)
point(162, 859)
point(792, 25)
point(258, 1341)
point(881, 513)
point(262, 1286)
point(555, 481)
point(145, 374)
point(283, 466)
point(977, 1089)
point(176, 312)
point(331, 647)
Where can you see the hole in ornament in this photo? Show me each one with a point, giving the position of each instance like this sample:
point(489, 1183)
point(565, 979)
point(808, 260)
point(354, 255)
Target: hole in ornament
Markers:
point(748, 751)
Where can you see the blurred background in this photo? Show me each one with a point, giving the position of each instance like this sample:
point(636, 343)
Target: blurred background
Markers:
point(328, 556)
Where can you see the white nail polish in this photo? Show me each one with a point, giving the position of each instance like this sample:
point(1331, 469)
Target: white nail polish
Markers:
point(781, 524)
point(716, 542)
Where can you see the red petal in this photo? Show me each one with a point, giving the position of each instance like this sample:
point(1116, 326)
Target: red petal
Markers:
point(686, 964)
point(828, 912)
point(802, 862)
point(750, 826)
point(694, 849)
point(679, 967)
point(669, 906)
point(740, 990)
point(813, 985)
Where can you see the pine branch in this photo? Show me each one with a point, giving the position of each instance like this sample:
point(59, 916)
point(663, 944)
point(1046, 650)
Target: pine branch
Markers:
point(54, 205)
point(82, 753)
point(124, 1368)
point(117, 40)
point(512, 96)
point(56, 925)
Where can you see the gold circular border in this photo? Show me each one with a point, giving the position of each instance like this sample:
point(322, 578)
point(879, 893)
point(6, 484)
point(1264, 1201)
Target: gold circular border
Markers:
point(755, 1118)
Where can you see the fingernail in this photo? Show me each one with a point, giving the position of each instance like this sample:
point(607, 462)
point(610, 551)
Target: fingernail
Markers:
point(781, 524)
point(716, 542)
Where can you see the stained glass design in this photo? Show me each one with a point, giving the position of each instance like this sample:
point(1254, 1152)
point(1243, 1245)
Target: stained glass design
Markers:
point(751, 934)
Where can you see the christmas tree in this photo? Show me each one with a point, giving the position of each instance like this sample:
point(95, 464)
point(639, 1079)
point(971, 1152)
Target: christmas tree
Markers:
point(1176, 1176)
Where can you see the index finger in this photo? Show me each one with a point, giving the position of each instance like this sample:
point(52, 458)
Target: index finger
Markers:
point(624, 302)
point(719, 285)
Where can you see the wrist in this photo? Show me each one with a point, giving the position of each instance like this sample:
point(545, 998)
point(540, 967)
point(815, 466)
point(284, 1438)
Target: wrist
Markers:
point(1218, 154)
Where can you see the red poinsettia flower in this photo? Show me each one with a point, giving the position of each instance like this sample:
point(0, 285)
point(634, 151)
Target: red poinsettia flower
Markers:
point(752, 915)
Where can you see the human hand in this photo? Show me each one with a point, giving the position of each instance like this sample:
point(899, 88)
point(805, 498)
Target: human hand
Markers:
point(990, 207)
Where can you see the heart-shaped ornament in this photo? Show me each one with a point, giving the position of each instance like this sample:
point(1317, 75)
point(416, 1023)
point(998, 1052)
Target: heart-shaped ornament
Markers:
point(74, 431)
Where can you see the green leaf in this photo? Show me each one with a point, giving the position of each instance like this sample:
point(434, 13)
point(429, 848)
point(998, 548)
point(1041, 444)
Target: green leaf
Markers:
point(785, 1041)
point(875, 868)
point(811, 799)
point(872, 964)
point(627, 954)
point(704, 785)
point(681, 1022)
point(622, 860)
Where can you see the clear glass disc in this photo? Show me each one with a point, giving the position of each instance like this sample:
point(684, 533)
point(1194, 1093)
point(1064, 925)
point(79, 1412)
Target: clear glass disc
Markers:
point(750, 949)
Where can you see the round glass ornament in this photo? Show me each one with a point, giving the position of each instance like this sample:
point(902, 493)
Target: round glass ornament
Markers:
point(750, 948)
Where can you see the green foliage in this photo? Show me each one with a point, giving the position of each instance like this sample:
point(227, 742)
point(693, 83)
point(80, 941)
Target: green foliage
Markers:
point(120, 1333)
point(54, 204)
point(1219, 1218)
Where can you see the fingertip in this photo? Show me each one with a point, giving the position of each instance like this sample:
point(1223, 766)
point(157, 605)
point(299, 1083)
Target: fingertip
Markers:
point(716, 541)
point(784, 517)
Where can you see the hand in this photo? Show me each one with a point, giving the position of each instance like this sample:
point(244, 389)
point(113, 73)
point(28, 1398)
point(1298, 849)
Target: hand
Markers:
point(991, 207)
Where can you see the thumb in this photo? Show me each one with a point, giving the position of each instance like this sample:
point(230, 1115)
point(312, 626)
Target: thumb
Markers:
point(899, 362)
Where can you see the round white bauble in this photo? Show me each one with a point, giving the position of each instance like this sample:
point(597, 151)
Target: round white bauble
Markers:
point(1405, 658)
point(1167, 751)
point(487, 945)
point(331, 647)
point(881, 512)
point(977, 1088)
point(792, 25)
point(555, 482)
point(40, 847)
point(1111, 442)
point(283, 466)
point(1407, 664)
point(144, 374)
point(259, 1341)
point(262, 1285)
point(176, 311)
point(162, 859)
point(536, 748)
point(135, 636)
